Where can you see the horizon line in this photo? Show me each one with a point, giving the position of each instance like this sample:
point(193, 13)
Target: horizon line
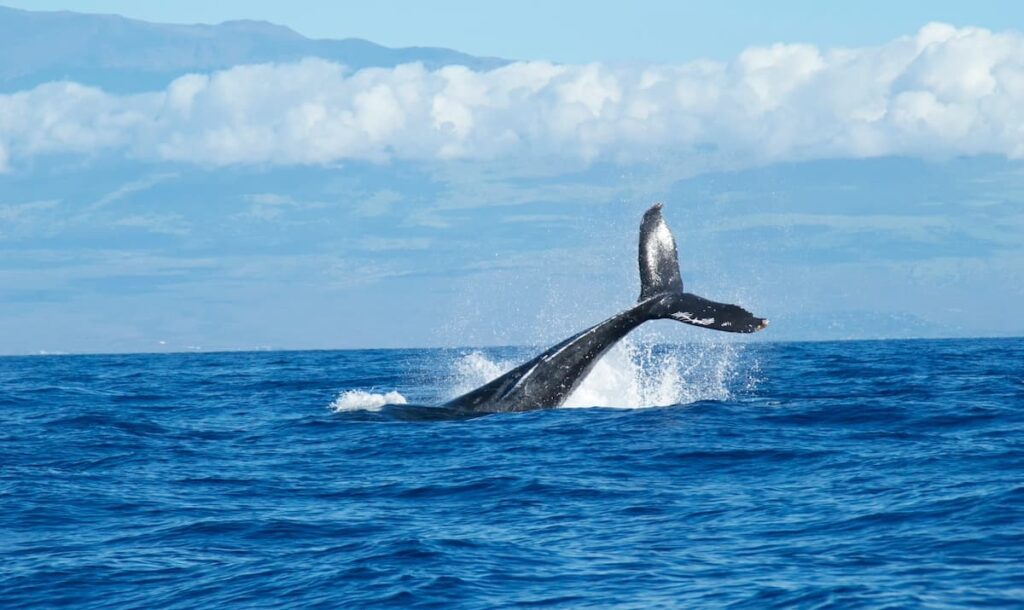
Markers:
point(214, 351)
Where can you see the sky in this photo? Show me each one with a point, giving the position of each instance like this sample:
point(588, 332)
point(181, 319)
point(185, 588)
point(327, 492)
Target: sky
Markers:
point(577, 31)
point(171, 189)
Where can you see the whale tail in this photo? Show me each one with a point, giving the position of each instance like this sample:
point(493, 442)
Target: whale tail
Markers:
point(661, 285)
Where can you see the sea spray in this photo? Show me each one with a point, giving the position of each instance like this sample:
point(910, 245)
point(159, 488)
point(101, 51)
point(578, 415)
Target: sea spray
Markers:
point(636, 373)
point(632, 374)
point(474, 369)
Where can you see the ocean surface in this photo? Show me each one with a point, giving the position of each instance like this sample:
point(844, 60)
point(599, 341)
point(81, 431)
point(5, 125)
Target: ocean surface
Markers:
point(876, 474)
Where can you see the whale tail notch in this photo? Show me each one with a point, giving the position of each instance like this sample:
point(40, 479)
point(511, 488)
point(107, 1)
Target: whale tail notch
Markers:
point(661, 285)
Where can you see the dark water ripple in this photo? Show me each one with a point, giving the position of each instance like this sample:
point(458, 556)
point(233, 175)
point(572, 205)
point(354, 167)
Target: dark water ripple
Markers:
point(854, 475)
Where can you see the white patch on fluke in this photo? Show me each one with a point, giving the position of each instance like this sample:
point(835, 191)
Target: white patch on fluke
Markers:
point(686, 316)
point(663, 236)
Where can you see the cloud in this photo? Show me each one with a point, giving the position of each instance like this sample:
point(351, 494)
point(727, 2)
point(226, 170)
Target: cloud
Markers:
point(941, 92)
point(164, 224)
point(19, 219)
point(916, 227)
point(272, 206)
point(130, 188)
point(379, 203)
point(271, 199)
point(16, 212)
point(381, 244)
point(547, 219)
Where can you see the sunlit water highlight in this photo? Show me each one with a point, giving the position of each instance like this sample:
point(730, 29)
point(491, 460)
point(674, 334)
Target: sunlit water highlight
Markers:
point(819, 475)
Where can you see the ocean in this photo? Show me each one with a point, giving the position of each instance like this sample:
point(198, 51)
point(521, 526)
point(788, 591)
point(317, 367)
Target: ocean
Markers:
point(858, 474)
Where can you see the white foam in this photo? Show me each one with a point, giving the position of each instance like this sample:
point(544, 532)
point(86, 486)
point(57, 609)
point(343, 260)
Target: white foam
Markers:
point(359, 400)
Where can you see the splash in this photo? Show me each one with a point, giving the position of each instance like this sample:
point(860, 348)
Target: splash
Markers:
point(631, 375)
point(474, 369)
point(636, 375)
point(360, 400)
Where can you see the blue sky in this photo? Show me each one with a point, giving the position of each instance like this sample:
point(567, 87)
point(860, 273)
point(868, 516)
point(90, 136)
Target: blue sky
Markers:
point(843, 175)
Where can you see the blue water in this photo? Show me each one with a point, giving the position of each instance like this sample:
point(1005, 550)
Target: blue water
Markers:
point(845, 475)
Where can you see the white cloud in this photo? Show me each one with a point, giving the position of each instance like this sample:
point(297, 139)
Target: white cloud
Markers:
point(17, 219)
point(944, 91)
point(381, 244)
point(165, 224)
point(379, 203)
point(16, 212)
point(130, 188)
point(271, 199)
point(272, 206)
point(916, 228)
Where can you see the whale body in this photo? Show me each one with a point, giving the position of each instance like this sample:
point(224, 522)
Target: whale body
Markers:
point(548, 379)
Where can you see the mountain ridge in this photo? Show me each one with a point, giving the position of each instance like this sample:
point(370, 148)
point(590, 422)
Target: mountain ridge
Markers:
point(126, 55)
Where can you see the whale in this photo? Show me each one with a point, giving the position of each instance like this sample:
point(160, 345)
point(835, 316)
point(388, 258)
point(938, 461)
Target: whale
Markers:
point(545, 381)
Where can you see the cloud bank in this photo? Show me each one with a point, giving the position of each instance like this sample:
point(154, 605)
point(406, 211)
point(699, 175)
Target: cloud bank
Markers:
point(942, 92)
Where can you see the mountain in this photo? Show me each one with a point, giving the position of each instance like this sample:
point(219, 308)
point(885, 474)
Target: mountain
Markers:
point(127, 55)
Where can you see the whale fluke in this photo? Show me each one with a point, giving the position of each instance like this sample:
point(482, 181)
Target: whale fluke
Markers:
point(548, 379)
point(658, 258)
point(660, 277)
point(698, 311)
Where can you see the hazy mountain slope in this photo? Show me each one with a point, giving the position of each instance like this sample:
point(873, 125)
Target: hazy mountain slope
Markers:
point(125, 55)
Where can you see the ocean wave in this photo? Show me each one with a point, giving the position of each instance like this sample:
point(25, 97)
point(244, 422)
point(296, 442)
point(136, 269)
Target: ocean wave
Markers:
point(821, 485)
